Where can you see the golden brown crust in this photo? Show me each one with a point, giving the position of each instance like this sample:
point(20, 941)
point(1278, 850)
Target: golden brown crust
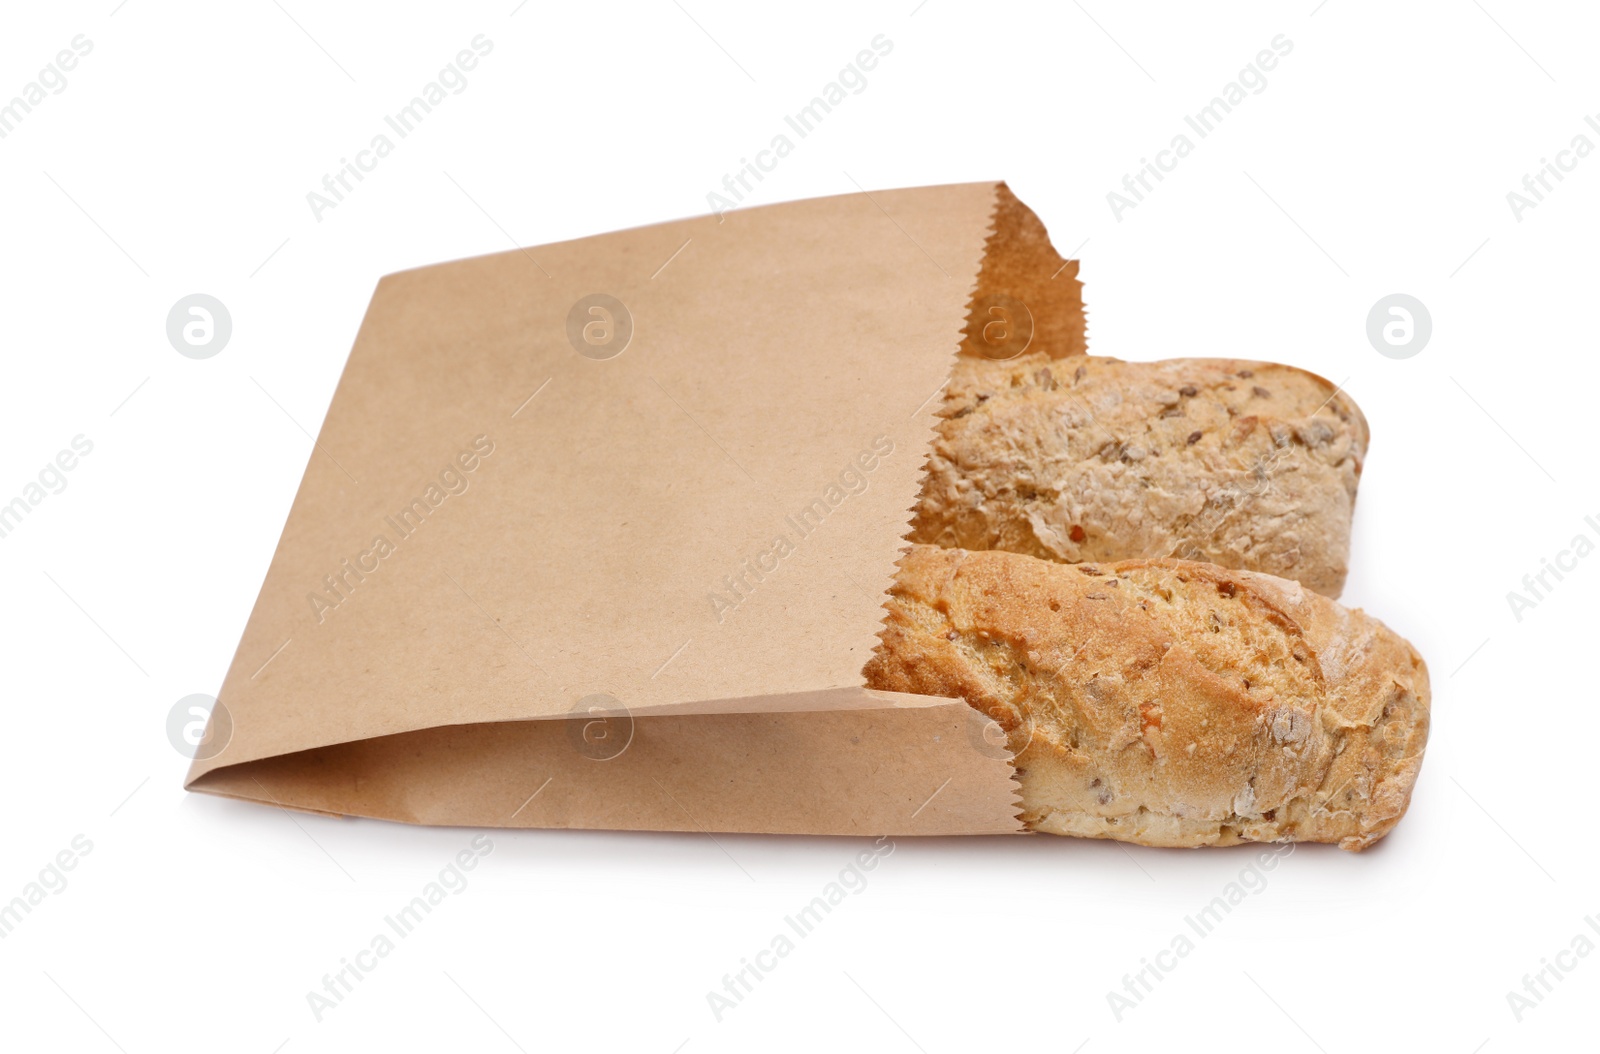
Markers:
point(1250, 465)
point(1167, 702)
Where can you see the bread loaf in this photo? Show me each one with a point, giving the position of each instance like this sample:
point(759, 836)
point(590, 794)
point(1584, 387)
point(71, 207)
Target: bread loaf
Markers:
point(1167, 702)
point(1249, 465)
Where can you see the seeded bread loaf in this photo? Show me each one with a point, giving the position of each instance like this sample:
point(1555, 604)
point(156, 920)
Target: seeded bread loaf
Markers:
point(1167, 702)
point(1249, 465)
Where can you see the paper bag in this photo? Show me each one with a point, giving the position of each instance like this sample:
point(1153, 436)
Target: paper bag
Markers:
point(597, 534)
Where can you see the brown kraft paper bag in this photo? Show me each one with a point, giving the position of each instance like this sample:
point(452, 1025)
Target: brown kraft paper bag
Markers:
point(597, 534)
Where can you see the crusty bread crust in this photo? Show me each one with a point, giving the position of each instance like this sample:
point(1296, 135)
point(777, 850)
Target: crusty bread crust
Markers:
point(1250, 465)
point(1167, 702)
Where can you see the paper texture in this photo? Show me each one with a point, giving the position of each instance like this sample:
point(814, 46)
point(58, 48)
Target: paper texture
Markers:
point(664, 472)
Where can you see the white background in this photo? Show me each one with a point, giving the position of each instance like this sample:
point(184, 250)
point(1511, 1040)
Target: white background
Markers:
point(1377, 160)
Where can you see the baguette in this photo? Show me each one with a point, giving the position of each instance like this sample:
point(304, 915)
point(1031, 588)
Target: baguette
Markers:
point(1166, 702)
point(1248, 465)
